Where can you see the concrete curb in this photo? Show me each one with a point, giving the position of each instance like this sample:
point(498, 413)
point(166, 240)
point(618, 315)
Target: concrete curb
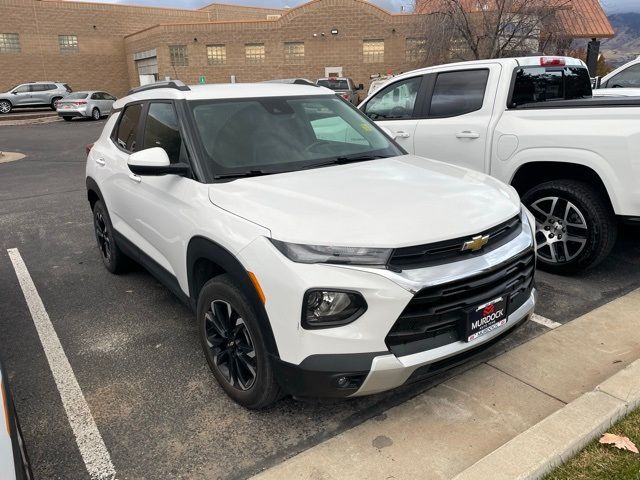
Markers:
point(554, 440)
point(29, 121)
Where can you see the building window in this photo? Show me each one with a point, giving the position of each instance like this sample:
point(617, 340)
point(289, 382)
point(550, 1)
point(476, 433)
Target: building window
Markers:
point(216, 54)
point(416, 49)
point(9, 43)
point(68, 43)
point(294, 53)
point(178, 55)
point(373, 51)
point(254, 53)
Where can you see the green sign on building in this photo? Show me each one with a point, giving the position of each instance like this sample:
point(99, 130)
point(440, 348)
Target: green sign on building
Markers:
point(202, 79)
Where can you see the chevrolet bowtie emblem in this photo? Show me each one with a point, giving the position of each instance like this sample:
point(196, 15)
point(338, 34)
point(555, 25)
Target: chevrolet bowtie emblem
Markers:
point(476, 243)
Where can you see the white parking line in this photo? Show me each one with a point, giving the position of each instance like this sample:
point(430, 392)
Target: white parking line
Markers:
point(92, 447)
point(545, 321)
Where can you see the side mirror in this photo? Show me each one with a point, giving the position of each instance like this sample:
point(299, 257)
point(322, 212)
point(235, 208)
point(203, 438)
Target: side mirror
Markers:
point(155, 161)
point(360, 86)
point(14, 92)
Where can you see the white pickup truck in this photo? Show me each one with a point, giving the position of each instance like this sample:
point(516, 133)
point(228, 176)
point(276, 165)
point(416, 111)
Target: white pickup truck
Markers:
point(532, 123)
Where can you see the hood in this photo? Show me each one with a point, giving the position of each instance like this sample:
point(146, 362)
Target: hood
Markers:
point(392, 202)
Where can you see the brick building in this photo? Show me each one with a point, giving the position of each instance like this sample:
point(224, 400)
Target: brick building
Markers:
point(114, 47)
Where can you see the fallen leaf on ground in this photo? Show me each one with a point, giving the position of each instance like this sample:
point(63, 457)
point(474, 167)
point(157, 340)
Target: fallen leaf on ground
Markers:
point(623, 443)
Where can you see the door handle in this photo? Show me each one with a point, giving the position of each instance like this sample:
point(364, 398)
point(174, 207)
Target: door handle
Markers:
point(135, 177)
point(402, 134)
point(100, 161)
point(467, 134)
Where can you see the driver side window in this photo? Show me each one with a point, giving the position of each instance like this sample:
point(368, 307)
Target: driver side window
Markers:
point(394, 102)
point(22, 89)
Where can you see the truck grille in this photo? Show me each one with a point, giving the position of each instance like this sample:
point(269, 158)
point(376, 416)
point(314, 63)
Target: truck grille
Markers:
point(436, 315)
point(421, 256)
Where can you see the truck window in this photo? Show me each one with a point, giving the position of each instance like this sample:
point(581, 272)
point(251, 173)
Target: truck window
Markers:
point(458, 93)
point(543, 84)
point(394, 102)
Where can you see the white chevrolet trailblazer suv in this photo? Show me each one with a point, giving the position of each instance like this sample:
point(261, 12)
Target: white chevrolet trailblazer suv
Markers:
point(320, 258)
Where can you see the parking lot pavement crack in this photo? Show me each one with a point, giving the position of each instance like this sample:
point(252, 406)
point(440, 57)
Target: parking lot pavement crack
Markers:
point(28, 197)
point(527, 384)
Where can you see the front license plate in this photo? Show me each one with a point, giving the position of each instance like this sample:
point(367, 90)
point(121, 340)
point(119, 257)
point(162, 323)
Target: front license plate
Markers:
point(486, 318)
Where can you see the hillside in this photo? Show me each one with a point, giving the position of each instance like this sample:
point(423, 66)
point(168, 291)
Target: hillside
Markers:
point(626, 44)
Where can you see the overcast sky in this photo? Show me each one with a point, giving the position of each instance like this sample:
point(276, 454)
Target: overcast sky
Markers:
point(611, 6)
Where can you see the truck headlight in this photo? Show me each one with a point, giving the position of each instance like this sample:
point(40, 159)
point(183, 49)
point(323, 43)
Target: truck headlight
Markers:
point(324, 308)
point(326, 254)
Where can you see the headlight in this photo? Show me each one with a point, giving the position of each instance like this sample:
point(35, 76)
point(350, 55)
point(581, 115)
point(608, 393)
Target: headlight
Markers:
point(325, 254)
point(331, 308)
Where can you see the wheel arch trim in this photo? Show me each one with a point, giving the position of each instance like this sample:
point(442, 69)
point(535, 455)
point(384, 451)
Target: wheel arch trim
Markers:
point(202, 248)
point(568, 158)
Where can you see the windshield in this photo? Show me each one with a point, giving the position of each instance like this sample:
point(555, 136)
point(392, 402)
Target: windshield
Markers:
point(280, 134)
point(76, 96)
point(334, 84)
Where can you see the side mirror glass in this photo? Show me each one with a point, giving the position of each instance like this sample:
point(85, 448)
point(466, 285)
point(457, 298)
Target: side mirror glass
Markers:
point(155, 161)
point(360, 86)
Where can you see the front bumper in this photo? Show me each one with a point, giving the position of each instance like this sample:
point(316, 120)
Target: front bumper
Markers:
point(369, 373)
point(356, 359)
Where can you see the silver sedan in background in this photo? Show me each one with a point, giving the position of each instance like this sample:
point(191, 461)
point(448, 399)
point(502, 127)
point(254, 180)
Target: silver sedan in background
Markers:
point(88, 104)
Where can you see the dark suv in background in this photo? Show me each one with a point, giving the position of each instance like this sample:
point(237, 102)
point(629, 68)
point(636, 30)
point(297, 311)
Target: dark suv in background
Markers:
point(33, 94)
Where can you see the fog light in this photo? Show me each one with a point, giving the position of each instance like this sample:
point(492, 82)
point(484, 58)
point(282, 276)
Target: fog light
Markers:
point(343, 382)
point(331, 308)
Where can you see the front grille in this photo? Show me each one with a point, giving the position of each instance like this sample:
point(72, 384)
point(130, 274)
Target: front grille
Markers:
point(436, 315)
point(421, 256)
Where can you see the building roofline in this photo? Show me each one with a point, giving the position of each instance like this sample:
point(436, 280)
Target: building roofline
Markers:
point(112, 3)
point(266, 9)
point(286, 14)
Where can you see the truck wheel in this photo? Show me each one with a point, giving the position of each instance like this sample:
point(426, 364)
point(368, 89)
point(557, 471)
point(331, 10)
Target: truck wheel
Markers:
point(234, 345)
point(575, 227)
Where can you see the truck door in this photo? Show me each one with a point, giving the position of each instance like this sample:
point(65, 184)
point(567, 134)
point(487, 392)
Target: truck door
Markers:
point(395, 107)
point(456, 124)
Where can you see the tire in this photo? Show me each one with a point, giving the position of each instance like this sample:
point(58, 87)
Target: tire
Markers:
point(574, 232)
point(112, 257)
point(95, 114)
point(53, 102)
point(67, 119)
point(234, 344)
point(5, 106)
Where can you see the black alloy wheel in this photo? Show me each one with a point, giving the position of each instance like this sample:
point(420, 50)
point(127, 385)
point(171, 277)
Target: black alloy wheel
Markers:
point(231, 345)
point(103, 237)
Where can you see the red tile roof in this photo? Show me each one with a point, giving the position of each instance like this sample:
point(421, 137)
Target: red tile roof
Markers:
point(578, 18)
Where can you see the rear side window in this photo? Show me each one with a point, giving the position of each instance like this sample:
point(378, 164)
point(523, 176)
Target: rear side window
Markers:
point(543, 84)
point(128, 127)
point(458, 93)
point(395, 102)
point(161, 130)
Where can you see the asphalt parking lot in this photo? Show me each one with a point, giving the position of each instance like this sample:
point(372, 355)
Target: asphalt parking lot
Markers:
point(133, 346)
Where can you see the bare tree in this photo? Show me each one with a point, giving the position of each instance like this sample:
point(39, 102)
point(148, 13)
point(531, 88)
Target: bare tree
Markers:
point(479, 29)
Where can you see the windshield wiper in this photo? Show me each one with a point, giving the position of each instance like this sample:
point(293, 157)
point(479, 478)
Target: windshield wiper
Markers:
point(247, 173)
point(344, 159)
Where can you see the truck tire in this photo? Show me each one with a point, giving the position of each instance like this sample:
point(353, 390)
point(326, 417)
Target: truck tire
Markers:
point(575, 226)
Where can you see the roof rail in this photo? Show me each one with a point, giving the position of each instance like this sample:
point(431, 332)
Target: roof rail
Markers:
point(175, 84)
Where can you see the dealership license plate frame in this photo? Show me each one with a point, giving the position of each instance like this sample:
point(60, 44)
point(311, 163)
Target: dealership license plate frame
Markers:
point(478, 313)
